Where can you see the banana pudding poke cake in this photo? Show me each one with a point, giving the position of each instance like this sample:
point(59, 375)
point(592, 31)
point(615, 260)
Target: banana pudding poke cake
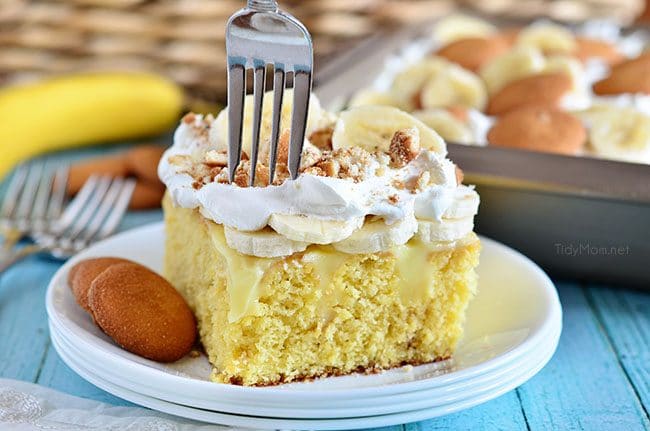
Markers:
point(365, 262)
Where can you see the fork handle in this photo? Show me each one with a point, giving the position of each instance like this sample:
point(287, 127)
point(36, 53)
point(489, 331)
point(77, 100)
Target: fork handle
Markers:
point(263, 5)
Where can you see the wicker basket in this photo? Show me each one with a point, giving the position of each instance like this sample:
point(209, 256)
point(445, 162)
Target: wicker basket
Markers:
point(183, 39)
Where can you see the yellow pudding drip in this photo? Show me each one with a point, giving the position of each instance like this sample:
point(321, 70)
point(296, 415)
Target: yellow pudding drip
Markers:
point(246, 273)
point(319, 312)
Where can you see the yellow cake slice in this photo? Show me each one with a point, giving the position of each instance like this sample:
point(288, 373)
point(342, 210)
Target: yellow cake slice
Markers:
point(366, 268)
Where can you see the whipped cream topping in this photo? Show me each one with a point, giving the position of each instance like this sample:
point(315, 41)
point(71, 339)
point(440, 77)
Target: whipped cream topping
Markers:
point(479, 125)
point(249, 208)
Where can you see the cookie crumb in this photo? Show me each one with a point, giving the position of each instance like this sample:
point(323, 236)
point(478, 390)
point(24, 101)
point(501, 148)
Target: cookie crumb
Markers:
point(330, 168)
point(216, 158)
point(181, 160)
point(310, 156)
point(404, 147)
point(460, 175)
point(322, 138)
point(189, 118)
point(423, 181)
point(241, 174)
point(283, 147)
point(398, 184)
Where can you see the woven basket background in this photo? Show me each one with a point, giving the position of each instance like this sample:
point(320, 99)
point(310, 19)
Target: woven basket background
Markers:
point(183, 39)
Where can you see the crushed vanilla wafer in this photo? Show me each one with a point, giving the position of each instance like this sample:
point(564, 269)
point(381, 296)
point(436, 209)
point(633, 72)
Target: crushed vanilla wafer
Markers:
point(404, 147)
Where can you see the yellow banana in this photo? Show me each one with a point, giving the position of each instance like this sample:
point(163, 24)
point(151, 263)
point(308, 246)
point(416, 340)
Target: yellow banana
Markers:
point(83, 109)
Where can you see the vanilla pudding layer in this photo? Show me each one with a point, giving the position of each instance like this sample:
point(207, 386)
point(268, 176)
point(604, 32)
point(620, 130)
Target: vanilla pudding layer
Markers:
point(245, 274)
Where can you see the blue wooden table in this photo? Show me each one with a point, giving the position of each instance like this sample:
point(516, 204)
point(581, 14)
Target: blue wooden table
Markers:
point(599, 378)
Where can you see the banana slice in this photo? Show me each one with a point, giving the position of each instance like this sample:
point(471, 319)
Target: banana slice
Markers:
point(452, 85)
point(446, 125)
point(548, 38)
point(305, 229)
point(372, 97)
point(445, 230)
point(457, 26)
point(317, 119)
point(515, 64)
point(407, 85)
point(619, 133)
point(373, 127)
point(262, 243)
point(465, 204)
point(435, 82)
point(376, 235)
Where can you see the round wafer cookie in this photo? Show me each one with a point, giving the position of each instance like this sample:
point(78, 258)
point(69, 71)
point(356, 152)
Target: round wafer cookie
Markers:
point(587, 48)
point(543, 89)
point(473, 52)
point(142, 312)
point(539, 128)
point(630, 76)
point(83, 273)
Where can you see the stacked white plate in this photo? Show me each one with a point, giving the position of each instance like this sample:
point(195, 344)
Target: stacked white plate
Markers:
point(512, 330)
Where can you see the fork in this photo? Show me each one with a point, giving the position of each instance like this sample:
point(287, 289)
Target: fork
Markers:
point(92, 215)
point(258, 36)
point(34, 199)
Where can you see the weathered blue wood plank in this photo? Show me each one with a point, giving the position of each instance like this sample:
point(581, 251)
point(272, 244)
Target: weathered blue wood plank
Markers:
point(57, 375)
point(503, 413)
point(23, 321)
point(625, 315)
point(583, 387)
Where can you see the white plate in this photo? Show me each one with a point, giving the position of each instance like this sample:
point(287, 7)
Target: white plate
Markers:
point(471, 400)
point(387, 405)
point(417, 400)
point(513, 314)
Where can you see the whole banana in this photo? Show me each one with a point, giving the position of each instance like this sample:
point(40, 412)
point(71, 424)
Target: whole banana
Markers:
point(83, 109)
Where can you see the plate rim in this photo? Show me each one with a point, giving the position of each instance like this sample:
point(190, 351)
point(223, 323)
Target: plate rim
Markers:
point(311, 412)
point(283, 395)
point(313, 424)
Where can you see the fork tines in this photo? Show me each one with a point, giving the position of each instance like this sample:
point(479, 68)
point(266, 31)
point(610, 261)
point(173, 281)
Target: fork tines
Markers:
point(34, 197)
point(93, 214)
point(256, 37)
point(34, 201)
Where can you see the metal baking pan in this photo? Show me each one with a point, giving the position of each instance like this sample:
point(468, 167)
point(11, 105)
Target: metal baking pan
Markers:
point(577, 217)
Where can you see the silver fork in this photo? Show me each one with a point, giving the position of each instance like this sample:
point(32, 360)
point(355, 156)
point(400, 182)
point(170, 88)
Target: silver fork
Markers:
point(92, 215)
point(257, 36)
point(34, 199)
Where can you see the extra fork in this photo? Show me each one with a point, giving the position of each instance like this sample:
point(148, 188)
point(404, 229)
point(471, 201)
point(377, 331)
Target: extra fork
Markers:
point(92, 215)
point(34, 199)
point(257, 36)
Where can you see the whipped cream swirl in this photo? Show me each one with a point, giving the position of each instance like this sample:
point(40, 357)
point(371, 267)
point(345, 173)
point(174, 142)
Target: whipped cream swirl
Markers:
point(325, 198)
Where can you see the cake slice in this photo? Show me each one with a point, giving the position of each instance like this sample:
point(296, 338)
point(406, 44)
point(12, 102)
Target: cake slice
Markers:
point(365, 262)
